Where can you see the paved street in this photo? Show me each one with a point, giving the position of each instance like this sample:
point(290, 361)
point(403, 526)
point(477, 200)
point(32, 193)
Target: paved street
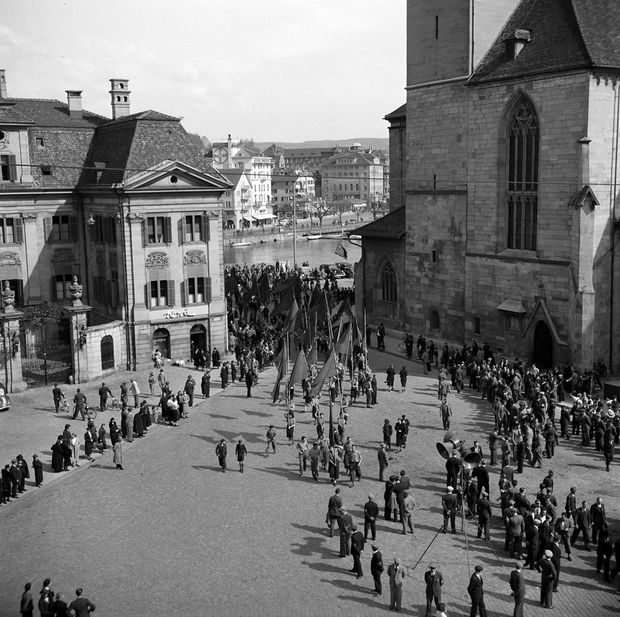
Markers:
point(171, 535)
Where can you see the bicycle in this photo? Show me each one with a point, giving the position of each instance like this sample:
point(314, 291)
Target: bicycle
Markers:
point(112, 403)
point(91, 413)
point(63, 406)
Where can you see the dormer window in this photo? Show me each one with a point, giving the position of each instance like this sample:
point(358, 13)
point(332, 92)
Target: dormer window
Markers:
point(516, 44)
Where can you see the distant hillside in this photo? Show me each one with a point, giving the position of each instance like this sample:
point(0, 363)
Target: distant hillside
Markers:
point(376, 143)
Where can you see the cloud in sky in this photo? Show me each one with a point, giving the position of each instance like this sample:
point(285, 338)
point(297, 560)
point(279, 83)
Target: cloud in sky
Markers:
point(268, 69)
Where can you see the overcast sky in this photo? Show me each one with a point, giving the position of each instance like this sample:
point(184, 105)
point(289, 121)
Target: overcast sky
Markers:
point(279, 70)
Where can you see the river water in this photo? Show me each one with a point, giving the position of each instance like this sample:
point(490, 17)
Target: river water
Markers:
point(315, 252)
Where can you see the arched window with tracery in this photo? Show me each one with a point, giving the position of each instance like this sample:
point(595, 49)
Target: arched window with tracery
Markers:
point(523, 159)
point(389, 291)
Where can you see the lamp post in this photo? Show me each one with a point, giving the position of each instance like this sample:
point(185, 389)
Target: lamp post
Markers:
point(294, 228)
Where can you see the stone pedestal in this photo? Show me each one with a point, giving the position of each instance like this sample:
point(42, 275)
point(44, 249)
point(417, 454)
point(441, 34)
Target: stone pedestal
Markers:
point(79, 340)
point(9, 322)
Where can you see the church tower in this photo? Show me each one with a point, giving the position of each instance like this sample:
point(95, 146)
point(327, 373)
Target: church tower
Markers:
point(445, 41)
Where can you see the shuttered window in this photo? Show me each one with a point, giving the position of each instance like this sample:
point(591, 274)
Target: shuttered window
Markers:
point(158, 230)
point(11, 231)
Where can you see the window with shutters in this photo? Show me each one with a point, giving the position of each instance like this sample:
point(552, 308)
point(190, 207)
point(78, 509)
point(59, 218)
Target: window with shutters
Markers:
point(158, 230)
point(195, 290)
point(522, 195)
point(63, 228)
point(109, 230)
point(11, 231)
point(8, 169)
point(193, 228)
point(159, 294)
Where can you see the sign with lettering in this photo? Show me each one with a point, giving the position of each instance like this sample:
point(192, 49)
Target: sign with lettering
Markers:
point(182, 313)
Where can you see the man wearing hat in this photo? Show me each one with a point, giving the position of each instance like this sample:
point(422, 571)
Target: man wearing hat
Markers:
point(517, 585)
point(448, 502)
point(376, 568)
point(476, 593)
point(357, 547)
point(556, 559)
point(434, 581)
point(547, 578)
point(334, 507)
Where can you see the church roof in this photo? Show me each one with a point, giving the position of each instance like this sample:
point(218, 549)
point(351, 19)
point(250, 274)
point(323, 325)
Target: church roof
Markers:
point(401, 112)
point(563, 35)
point(391, 225)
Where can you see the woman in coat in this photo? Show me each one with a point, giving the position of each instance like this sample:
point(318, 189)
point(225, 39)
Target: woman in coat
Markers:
point(118, 454)
point(58, 459)
point(114, 431)
point(37, 465)
point(88, 445)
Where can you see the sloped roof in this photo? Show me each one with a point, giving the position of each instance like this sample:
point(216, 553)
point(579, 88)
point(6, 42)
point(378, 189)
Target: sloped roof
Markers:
point(149, 114)
point(364, 158)
point(564, 35)
point(47, 113)
point(135, 143)
point(401, 112)
point(391, 225)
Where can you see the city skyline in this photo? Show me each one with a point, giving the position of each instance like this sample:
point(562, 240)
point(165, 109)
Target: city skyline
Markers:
point(272, 71)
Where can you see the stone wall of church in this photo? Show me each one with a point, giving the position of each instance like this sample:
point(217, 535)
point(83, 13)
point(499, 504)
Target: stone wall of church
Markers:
point(602, 130)
point(435, 263)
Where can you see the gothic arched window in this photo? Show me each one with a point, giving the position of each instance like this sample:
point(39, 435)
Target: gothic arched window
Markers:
point(388, 284)
point(522, 196)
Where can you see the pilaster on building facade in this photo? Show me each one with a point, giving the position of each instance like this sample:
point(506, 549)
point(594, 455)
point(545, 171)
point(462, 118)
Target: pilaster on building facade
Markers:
point(509, 171)
point(126, 206)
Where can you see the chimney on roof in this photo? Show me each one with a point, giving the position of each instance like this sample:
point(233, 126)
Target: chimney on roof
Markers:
point(74, 101)
point(3, 84)
point(120, 97)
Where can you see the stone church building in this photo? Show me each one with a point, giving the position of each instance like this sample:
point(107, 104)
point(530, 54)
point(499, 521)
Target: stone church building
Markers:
point(505, 230)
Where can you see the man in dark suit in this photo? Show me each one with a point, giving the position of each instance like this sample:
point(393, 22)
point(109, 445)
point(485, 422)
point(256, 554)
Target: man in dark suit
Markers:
point(597, 518)
point(333, 511)
point(556, 560)
point(517, 585)
point(481, 473)
point(82, 606)
point(434, 581)
point(453, 470)
point(345, 524)
point(532, 539)
point(484, 516)
point(371, 513)
point(448, 502)
point(571, 503)
point(357, 547)
point(476, 593)
point(582, 525)
point(376, 568)
point(547, 578)
point(383, 461)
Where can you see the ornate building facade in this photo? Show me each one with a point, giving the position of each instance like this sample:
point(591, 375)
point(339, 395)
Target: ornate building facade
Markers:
point(130, 208)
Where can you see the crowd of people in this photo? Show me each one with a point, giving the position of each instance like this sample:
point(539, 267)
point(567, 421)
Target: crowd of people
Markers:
point(53, 604)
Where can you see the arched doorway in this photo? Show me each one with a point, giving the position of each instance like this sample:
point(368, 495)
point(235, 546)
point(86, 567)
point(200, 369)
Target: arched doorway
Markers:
point(197, 339)
point(107, 352)
point(161, 341)
point(542, 354)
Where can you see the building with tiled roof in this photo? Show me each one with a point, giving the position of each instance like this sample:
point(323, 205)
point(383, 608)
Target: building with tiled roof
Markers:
point(128, 209)
point(352, 175)
point(510, 174)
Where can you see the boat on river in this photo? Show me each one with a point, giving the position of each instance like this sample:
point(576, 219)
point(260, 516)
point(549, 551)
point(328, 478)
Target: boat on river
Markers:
point(314, 237)
point(241, 243)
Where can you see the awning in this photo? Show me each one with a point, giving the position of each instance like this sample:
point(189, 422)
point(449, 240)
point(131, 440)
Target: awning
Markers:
point(263, 217)
point(512, 306)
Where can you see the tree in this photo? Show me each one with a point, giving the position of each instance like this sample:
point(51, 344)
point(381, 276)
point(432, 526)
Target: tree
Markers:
point(318, 208)
point(202, 144)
